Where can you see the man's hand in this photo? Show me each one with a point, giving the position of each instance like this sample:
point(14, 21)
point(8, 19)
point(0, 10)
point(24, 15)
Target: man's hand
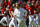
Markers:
point(14, 15)
point(24, 17)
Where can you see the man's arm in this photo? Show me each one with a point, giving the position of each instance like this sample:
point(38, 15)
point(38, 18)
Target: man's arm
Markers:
point(1, 14)
point(11, 15)
point(25, 13)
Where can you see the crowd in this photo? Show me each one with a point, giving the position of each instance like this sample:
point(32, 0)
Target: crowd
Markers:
point(30, 8)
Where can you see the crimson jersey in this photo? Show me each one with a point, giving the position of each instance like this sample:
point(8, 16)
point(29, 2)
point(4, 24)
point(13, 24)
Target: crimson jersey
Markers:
point(4, 4)
point(0, 4)
point(36, 6)
point(9, 3)
point(39, 7)
point(32, 9)
point(28, 8)
point(19, 2)
point(11, 9)
point(3, 11)
point(24, 7)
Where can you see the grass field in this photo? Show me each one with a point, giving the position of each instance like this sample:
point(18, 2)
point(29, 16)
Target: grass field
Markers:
point(13, 26)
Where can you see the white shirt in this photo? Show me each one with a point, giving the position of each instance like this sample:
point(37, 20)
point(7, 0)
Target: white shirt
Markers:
point(39, 14)
point(20, 12)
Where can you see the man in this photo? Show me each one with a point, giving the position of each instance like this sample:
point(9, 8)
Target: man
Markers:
point(4, 13)
point(4, 4)
point(11, 9)
point(36, 12)
point(9, 3)
point(13, 20)
point(31, 14)
point(27, 8)
point(19, 15)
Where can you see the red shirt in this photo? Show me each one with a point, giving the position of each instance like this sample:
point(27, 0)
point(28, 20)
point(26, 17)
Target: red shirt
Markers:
point(4, 3)
point(11, 9)
point(19, 2)
point(39, 7)
point(9, 3)
point(24, 7)
point(0, 4)
point(32, 9)
point(36, 6)
point(27, 7)
point(3, 11)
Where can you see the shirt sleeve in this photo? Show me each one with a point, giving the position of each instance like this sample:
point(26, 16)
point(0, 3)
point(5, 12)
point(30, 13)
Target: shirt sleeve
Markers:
point(25, 12)
point(14, 12)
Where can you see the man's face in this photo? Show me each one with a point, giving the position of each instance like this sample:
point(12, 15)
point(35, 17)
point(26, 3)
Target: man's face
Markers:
point(29, 4)
point(32, 3)
point(18, 6)
point(13, 5)
point(8, 0)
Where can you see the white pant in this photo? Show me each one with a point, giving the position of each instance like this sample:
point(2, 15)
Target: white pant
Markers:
point(36, 21)
point(31, 17)
point(21, 22)
point(2, 20)
point(13, 22)
point(39, 18)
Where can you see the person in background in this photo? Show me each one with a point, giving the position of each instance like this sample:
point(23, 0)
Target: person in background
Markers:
point(9, 3)
point(4, 4)
point(4, 13)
